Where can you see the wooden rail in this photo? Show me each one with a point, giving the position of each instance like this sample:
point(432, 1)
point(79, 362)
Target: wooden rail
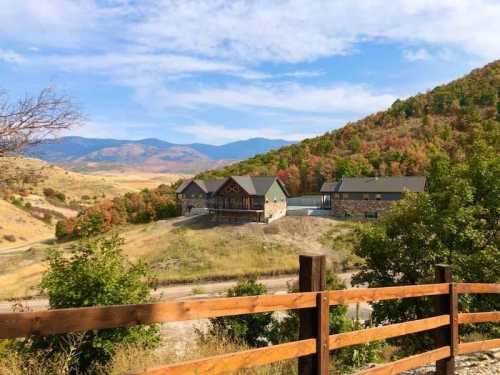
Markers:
point(315, 343)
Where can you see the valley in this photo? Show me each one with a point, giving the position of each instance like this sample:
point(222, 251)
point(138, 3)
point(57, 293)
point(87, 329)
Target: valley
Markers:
point(193, 250)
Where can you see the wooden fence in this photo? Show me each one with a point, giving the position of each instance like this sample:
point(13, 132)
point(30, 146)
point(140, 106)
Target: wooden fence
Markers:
point(313, 302)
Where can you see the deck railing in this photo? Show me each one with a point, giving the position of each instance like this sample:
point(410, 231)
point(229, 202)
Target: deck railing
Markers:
point(313, 303)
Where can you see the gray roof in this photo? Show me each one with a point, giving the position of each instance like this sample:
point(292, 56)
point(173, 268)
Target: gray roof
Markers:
point(183, 185)
point(396, 184)
point(330, 187)
point(208, 186)
point(256, 185)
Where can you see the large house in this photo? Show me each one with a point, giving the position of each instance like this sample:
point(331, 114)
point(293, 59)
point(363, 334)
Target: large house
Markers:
point(367, 197)
point(235, 198)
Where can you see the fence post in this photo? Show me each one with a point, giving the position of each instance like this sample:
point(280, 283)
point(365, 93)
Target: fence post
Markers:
point(312, 321)
point(447, 335)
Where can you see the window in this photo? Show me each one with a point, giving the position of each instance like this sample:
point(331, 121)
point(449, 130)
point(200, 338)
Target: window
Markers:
point(371, 215)
point(366, 196)
point(378, 196)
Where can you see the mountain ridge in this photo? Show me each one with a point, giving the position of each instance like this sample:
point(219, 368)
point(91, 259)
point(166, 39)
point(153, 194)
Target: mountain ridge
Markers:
point(399, 141)
point(81, 153)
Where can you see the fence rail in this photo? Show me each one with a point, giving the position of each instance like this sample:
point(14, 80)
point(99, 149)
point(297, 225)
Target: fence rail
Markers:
point(313, 303)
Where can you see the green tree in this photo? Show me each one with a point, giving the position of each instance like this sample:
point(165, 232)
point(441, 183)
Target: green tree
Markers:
point(345, 359)
point(96, 274)
point(252, 329)
point(455, 222)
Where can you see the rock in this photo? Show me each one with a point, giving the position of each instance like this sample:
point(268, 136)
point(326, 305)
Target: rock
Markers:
point(483, 363)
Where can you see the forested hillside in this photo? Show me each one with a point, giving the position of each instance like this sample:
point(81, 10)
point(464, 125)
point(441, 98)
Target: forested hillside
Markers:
point(398, 141)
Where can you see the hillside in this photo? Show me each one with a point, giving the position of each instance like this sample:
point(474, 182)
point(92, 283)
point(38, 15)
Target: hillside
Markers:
point(34, 175)
point(150, 154)
point(35, 194)
point(398, 141)
point(13, 227)
point(194, 249)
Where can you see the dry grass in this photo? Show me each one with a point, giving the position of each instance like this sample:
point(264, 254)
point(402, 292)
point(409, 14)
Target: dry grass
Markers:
point(20, 224)
point(134, 359)
point(75, 185)
point(181, 251)
point(137, 180)
point(130, 358)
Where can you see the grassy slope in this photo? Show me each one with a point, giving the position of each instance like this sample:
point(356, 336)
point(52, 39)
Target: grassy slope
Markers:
point(18, 223)
point(196, 250)
point(397, 141)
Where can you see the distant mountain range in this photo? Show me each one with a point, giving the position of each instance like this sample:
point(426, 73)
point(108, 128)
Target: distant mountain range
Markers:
point(79, 153)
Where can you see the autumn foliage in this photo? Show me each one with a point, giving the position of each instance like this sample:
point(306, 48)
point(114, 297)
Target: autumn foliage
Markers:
point(143, 207)
point(399, 141)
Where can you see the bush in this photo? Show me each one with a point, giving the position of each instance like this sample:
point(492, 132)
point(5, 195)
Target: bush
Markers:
point(96, 274)
point(18, 202)
point(143, 207)
point(262, 329)
point(251, 329)
point(49, 192)
point(10, 237)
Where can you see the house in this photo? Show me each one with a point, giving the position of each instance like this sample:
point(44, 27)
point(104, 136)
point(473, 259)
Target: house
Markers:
point(367, 197)
point(236, 198)
point(194, 196)
point(249, 198)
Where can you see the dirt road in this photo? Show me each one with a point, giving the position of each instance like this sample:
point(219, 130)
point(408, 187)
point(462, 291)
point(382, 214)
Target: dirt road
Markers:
point(274, 285)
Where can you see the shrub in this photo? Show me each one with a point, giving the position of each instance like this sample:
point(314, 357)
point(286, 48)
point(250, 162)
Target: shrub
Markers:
point(49, 192)
point(9, 237)
point(18, 202)
point(96, 274)
point(143, 207)
point(251, 329)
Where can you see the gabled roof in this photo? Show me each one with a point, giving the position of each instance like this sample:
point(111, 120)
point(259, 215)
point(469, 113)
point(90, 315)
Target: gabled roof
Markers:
point(396, 184)
point(330, 187)
point(255, 185)
point(208, 186)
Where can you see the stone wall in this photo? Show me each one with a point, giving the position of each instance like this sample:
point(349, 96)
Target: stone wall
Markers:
point(357, 208)
point(274, 210)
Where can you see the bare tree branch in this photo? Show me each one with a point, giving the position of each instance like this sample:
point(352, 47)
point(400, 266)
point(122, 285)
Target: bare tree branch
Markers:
point(32, 120)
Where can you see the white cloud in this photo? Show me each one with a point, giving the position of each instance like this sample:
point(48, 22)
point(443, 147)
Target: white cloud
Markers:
point(420, 54)
point(11, 57)
point(220, 134)
point(254, 31)
point(289, 96)
point(301, 30)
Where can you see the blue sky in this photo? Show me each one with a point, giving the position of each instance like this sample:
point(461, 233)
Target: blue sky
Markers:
point(217, 71)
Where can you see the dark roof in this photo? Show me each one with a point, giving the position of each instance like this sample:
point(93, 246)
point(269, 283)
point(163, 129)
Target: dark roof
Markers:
point(256, 185)
point(208, 186)
point(397, 184)
point(330, 187)
point(183, 185)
